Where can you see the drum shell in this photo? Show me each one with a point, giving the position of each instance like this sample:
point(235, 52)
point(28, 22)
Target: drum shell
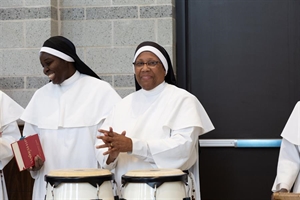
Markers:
point(81, 187)
point(286, 196)
point(142, 191)
point(166, 187)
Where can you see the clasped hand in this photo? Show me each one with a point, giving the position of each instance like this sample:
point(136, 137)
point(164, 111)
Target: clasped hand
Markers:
point(115, 143)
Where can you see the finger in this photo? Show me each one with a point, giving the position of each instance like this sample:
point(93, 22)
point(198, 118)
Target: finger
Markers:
point(101, 137)
point(111, 132)
point(36, 161)
point(41, 162)
point(102, 146)
point(107, 152)
point(104, 139)
point(105, 132)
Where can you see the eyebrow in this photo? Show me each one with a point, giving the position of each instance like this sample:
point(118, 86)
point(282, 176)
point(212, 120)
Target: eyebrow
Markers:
point(150, 59)
point(47, 59)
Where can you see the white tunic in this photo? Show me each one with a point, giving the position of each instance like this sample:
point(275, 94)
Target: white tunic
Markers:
point(10, 111)
point(289, 156)
point(67, 118)
point(164, 125)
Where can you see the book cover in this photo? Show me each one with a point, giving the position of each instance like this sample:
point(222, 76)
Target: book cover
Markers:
point(26, 149)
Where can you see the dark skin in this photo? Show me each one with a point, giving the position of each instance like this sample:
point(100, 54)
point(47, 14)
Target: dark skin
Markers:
point(115, 143)
point(148, 78)
point(58, 71)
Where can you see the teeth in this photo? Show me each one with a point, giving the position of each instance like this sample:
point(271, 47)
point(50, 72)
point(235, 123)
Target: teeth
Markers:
point(51, 76)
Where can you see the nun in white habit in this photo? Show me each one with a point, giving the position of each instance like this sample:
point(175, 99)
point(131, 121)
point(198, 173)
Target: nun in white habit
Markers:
point(10, 112)
point(66, 112)
point(155, 127)
point(289, 157)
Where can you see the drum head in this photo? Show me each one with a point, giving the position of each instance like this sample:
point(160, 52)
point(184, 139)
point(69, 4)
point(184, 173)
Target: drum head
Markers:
point(93, 176)
point(154, 177)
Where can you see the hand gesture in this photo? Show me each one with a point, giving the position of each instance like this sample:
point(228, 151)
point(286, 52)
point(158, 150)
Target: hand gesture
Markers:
point(115, 143)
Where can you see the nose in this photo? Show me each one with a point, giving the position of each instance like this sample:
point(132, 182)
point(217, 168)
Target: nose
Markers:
point(45, 70)
point(145, 67)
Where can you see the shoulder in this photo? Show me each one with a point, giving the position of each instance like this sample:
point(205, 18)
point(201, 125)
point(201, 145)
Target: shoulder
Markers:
point(179, 94)
point(93, 84)
point(296, 107)
point(297, 104)
point(92, 80)
point(129, 99)
point(3, 95)
point(45, 89)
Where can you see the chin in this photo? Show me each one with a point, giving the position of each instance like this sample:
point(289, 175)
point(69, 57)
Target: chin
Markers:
point(147, 88)
point(56, 83)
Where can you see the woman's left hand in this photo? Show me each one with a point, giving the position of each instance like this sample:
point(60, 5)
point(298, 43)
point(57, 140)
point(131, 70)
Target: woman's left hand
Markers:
point(38, 164)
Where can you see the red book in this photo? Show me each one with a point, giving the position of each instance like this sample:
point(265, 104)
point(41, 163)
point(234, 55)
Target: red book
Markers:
point(26, 149)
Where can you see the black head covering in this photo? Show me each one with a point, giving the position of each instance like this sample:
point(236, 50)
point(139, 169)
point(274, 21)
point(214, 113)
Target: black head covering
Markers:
point(64, 45)
point(170, 77)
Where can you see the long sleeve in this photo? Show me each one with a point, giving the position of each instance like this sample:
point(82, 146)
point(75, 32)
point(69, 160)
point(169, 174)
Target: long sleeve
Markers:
point(179, 147)
point(288, 166)
point(10, 134)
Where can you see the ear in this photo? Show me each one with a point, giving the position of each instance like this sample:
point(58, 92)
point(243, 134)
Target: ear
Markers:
point(71, 66)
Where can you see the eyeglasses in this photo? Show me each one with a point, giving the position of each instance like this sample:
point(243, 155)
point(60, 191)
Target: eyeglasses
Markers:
point(150, 64)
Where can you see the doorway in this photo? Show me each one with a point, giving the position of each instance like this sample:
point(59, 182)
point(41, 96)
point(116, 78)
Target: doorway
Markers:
point(241, 59)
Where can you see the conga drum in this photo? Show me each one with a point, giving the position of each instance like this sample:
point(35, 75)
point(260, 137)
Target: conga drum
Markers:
point(80, 184)
point(286, 196)
point(158, 184)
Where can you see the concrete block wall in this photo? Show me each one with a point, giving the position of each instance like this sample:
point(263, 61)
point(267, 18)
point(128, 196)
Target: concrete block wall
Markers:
point(105, 32)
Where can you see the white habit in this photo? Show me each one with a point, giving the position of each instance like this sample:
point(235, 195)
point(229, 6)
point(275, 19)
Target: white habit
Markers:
point(67, 118)
point(164, 125)
point(10, 112)
point(289, 157)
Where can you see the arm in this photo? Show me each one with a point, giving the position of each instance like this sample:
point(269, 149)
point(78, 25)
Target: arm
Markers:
point(179, 147)
point(10, 133)
point(177, 151)
point(288, 166)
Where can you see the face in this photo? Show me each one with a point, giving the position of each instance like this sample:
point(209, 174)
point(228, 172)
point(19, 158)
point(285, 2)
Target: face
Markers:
point(149, 77)
point(55, 68)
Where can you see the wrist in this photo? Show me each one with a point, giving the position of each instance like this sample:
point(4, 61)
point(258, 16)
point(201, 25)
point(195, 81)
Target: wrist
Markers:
point(110, 160)
point(283, 190)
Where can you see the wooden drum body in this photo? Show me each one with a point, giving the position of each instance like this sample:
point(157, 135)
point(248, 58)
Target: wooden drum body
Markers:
point(159, 184)
point(286, 196)
point(79, 184)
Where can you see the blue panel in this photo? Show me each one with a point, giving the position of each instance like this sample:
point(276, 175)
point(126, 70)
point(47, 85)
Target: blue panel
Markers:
point(258, 143)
